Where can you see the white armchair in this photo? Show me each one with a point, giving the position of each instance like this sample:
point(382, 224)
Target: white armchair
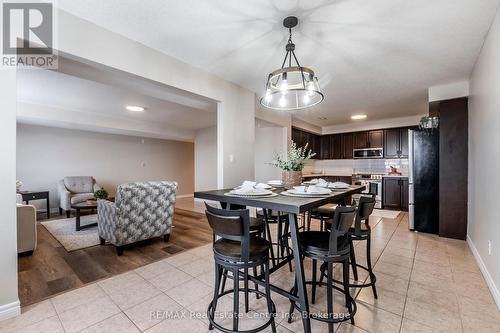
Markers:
point(73, 190)
point(26, 229)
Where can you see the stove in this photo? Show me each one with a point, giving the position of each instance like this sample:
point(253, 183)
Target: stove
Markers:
point(373, 184)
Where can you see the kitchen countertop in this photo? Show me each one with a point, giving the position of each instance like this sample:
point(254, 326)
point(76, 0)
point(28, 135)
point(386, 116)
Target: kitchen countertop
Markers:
point(319, 175)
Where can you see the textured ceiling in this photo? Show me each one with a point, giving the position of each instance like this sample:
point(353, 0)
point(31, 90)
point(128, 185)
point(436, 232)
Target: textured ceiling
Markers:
point(374, 57)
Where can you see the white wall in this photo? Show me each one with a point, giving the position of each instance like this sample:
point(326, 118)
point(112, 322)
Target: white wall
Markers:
point(205, 159)
point(268, 141)
point(46, 154)
point(9, 301)
point(484, 157)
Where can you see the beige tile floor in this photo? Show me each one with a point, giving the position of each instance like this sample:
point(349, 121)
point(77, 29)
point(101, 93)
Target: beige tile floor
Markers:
point(425, 284)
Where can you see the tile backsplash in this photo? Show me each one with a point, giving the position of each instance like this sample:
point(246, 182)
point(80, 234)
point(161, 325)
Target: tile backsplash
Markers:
point(348, 167)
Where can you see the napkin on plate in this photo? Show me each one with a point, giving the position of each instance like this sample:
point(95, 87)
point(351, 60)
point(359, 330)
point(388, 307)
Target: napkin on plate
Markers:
point(249, 185)
point(318, 181)
point(339, 185)
point(307, 189)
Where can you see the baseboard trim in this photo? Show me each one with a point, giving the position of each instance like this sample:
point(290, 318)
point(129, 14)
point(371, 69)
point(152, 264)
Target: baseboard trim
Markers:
point(185, 196)
point(10, 310)
point(487, 276)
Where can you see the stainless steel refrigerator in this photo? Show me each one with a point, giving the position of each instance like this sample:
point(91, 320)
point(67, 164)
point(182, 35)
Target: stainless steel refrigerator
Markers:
point(423, 178)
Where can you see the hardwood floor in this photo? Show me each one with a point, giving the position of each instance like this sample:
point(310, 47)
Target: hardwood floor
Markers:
point(52, 270)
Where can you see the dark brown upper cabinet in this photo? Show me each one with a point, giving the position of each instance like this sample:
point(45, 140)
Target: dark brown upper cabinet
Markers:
point(336, 147)
point(375, 139)
point(396, 143)
point(297, 136)
point(313, 141)
point(347, 145)
point(360, 140)
point(370, 139)
point(325, 147)
point(404, 143)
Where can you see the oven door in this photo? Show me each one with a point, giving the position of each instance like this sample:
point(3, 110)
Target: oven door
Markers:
point(368, 153)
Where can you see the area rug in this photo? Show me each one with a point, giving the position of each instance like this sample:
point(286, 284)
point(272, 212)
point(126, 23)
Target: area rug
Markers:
point(388, 214)
point(64, 231)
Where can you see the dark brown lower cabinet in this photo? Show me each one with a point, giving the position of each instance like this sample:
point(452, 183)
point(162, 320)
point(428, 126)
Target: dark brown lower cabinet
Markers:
point(395, 193)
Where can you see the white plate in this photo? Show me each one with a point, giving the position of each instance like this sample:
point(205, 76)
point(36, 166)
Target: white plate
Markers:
point(310, 190)
point(304, 195)
point(339, 185)
point(229, 194)
point(252, 192)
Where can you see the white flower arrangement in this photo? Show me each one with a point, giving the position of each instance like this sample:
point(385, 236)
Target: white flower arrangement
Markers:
point(295, 159)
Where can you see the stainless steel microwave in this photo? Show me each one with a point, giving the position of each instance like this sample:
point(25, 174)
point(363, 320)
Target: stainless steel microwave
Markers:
point(368, 153)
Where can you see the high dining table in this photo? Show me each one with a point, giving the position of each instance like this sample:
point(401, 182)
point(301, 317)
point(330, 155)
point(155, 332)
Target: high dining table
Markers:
point(291, 206)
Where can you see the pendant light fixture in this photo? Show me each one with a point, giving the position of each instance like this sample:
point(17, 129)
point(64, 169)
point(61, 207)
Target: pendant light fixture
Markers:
point(293, 87)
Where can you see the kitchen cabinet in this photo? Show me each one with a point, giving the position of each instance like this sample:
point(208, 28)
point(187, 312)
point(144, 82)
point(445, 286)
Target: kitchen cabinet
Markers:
point(360, 140)
point(325, 147)
point(396, 143)
point(297, 136)
point(404, 143)
point(313, 141)
point(395, 193)
point(347, 145)
point(340, 146)
point(370, 139)
point(375, 139)
point(453, 167)
point(336, 147)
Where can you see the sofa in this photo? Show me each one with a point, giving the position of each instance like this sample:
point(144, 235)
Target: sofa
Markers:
point(73, 190)
point(26, 228)
point(142, 210)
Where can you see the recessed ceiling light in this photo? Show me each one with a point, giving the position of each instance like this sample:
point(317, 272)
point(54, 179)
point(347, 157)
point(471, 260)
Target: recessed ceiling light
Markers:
point(134, 108)
point(358, 116)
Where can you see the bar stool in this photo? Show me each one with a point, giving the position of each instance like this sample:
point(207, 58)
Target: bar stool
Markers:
point(237, 249)
point(257, 228)
point(283, 249)
point(329, 247)
point(361, 232)
point(322, 214)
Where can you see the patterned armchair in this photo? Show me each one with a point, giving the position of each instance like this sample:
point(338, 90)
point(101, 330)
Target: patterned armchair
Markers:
point(141, 210)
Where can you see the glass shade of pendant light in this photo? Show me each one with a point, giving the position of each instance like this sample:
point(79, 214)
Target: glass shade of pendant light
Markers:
point(293, 87)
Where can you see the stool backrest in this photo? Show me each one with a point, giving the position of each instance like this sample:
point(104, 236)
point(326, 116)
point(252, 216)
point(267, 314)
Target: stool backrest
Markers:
point(232, 225)
point(365, 209)
point(342, 221)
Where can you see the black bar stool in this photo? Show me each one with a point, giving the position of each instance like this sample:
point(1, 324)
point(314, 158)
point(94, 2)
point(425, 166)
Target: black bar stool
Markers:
point(283, 249)
point(322, 214)
point(237, 249)
point(257, 228)
point(361, 232)
point(330, 247)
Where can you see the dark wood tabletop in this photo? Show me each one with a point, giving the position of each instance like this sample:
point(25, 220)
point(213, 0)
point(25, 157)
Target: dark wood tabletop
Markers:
point(84, 205)
point(282, 203)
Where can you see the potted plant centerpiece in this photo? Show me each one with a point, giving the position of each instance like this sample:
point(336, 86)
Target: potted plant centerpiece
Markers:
point(292, 164)
point(101, 194)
